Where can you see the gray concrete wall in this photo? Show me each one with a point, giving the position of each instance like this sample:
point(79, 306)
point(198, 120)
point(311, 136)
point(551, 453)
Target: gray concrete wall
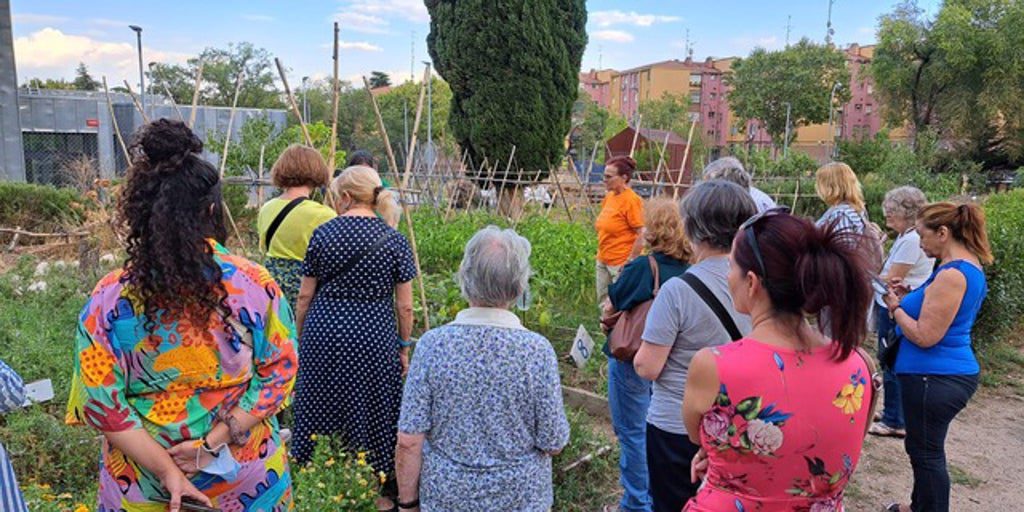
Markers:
point(12, 159)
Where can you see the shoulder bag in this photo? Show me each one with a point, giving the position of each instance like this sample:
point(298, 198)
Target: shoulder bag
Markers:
point(625, 337)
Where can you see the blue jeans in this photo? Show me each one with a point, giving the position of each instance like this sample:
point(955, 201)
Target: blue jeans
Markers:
point(931, 402)
point(892, 407)
point(629, 396)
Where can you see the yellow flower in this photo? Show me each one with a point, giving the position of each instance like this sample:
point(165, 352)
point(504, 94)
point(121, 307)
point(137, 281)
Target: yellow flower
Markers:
point(382, 476)
point(312, 437)
point(48, 497)
point(329, 462)
point(850, 398)
point(43, 486)
point(81, 508)
point(64, 496)
point(320, 485)
point(363, 482)
point(361, 455)
point(337, 498)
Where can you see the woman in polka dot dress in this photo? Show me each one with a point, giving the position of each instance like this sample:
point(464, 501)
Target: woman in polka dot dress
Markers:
point(357, 275)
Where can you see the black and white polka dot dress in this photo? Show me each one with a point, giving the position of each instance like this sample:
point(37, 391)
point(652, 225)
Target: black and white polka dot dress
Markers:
point(349, 384)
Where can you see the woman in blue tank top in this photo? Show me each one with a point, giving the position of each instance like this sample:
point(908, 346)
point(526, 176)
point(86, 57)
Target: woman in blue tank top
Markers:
point(936, 367)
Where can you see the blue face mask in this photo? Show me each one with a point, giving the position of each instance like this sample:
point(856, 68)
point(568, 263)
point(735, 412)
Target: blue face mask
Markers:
point(224, 465)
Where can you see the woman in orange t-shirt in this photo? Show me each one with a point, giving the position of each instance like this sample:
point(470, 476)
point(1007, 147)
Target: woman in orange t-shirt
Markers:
point(619, 225)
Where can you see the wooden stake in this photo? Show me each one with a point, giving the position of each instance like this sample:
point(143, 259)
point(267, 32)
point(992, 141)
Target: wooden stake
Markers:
point(405, 207)
point(138, 106)
point(636, 135)
point(291, 101)
point(173, 103)
point(661, 160)
point(195, 96)
point(113, 122)
point(231, 119)
point(561, 194)
point(334, 105)
point(682, 168)
point(259, 186)
point(448, 209)
point(584, 188)
point(415, 127)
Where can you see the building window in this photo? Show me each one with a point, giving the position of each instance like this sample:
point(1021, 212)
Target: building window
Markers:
point(711, 115)
point(714, 95)
point(694, 97)
point(857, 106)
point(870, 89)
point(868, 109)
point(694, 117)
point(695, 80)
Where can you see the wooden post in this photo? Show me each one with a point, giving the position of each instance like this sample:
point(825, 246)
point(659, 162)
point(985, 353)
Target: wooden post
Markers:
point(113, 122)
point(138, 106)
point(636, 134)
point(448, 208)
point(415, 127)
point(231, 119)
point(584, 189)
point(561, 194)
point(173, 103)
point(661, 160)
point(682, 168)
point(291, 101)
point(195, 96)
point(259, 186)
point(405, 207)
point(334, 108)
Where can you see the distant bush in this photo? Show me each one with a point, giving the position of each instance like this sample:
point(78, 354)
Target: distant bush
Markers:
point(1004, 307)
point(39, 207)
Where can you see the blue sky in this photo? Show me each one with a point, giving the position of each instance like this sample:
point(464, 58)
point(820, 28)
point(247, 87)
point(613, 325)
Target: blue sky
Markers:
point(52, 36)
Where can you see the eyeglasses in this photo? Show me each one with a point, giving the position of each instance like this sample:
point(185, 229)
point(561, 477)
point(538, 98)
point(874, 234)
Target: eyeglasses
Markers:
point(752, 236)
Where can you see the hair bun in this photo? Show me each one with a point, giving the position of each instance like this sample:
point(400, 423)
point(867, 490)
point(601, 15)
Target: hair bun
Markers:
point(165, 139)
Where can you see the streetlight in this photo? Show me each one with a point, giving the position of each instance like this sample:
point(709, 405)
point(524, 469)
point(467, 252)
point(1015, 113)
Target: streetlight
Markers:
point(142, 80)
point(785, 142)
point(831, 110)
point(305, 103)
point(430, 114)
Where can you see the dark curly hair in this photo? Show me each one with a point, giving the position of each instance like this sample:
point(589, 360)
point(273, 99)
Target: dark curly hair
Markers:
point(170, 206)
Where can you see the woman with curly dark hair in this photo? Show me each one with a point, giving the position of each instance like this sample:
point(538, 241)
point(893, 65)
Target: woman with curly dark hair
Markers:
point(184, 355)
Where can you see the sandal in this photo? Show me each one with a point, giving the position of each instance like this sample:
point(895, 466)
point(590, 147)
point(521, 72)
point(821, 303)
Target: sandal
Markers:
point(882, 430)
point(394, 506)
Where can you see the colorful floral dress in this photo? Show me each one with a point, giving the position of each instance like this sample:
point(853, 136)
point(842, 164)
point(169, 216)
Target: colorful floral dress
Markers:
point(786, 430)
point(173, 381)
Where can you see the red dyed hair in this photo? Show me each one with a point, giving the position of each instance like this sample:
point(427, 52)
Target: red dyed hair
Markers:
point(624, 164)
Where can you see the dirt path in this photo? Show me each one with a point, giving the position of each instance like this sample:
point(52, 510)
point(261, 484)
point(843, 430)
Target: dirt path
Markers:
point(985, 450)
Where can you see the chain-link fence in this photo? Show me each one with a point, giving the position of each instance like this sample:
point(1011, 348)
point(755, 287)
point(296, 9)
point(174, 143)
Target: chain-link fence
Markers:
point(61, 159)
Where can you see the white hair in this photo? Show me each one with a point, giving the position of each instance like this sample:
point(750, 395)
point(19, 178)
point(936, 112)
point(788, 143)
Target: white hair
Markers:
point(495, 268)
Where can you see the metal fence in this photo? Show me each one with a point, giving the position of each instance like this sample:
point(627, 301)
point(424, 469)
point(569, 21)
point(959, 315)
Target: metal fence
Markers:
point(61, 159)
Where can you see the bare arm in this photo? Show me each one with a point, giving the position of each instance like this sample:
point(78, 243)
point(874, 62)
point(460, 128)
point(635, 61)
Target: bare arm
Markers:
point(897, 271)
point(140, 447)
point(650, 360)
point(403, 307)
point(408, 463)
point(942, 300)
point(306, 291)
point(701, 391)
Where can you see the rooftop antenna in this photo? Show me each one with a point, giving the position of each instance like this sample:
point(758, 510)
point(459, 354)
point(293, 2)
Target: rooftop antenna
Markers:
point(689, 49)
point(412, 57)
point(789, 25)
point(829, 32)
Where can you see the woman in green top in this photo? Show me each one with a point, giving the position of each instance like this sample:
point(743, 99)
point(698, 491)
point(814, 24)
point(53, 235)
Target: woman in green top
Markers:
point(286, 223)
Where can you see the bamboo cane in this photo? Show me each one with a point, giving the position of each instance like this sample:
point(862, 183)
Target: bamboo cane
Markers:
point(561, 194)
point(448, 209)
point(405, 207)
point(113, 122)
point(584, 188)
point(682, 168)
point(259, 187)
point(334, 108)
point(291, 101)
point(472, 191)
point(173, 103)
point(636, 134)
point(661, 160)
point(195, 96)
point(415, 127)
point(138, 106)
point(231, 120)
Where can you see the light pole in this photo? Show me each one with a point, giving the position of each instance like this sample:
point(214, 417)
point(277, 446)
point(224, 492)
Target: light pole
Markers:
point(142, 80)
point(430, 115)
point(831, 110)
point(305, 103)
point(785, 141)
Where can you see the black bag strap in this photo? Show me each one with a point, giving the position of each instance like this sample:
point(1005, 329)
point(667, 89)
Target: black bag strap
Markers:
point(280, 218)
point(716, 306)
point(356, 258)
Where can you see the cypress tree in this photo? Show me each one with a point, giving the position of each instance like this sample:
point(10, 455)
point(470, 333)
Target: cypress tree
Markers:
point(513, 67)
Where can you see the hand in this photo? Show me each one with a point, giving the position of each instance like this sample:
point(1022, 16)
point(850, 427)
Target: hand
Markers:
point(184, 456)
point(403, 357)
point(699, 466)
point(179, 487)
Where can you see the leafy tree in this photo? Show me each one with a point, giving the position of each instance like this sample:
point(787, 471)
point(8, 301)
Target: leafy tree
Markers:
point(178, 80)
point(83, 80)
point(803, 74)
point(669, 112)
point(596, 125)
point(519, 93)
point(220, 71)
point(379, 79)
point(49, 83)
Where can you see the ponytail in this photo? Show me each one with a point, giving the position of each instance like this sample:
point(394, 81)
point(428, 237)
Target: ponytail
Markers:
point(386, 205)
point(363, 184)
point(966, 222)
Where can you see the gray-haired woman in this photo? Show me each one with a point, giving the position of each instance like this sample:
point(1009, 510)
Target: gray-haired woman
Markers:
point(907, 264)
point(482, 410)
point(681, 322)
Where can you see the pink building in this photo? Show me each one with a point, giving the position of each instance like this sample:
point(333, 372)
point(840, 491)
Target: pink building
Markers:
point(597, 85)
point(859, 117)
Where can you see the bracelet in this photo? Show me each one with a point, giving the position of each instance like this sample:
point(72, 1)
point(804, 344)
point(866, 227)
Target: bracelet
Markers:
point(412, 504)
point(405, 344)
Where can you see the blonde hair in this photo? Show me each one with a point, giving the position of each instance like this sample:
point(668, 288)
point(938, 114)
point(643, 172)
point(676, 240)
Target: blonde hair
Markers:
point(836, 183)
point(663, 229)
point(364, 186)
point(966, 223)
point(299, 166)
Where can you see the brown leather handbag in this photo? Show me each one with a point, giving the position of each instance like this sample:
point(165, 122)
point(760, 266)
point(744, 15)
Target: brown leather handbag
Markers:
point(625, 336)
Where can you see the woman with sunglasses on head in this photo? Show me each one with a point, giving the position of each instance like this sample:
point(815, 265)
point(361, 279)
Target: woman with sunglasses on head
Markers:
point(781, 414)
point(618, 225)
point(935, 364)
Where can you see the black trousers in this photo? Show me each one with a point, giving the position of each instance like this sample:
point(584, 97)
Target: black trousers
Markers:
point(668, 465)
point(930, 402)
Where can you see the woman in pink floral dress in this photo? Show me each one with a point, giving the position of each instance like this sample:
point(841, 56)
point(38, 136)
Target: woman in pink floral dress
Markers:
point(781, 414)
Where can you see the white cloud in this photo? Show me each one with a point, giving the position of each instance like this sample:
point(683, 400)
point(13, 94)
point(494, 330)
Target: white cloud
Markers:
point(411, 10)
point(354, 45)
point(616, 36)
point(28, 18)
point(359, 22)
point(50, 53)
point(609, 18)
point(257, 17)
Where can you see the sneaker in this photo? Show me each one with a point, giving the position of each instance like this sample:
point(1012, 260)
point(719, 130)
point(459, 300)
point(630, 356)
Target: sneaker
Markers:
point(882, 430)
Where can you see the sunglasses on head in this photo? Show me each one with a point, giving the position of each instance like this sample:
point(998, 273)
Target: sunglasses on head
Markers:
point(748, 229)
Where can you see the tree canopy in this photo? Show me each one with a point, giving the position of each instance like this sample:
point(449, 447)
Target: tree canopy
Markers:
point(379, 79)
point(220, 71)
point(83, 80)
point(518, 93)
point(803, 75)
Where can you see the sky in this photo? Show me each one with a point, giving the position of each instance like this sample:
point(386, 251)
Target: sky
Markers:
point(52, 36)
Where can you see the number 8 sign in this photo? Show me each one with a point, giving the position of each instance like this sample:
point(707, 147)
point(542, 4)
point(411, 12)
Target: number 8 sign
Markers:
point(582, 347)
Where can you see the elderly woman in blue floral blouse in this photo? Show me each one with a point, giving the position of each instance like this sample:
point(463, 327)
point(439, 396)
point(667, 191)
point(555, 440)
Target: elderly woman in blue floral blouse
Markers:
point(482, 411)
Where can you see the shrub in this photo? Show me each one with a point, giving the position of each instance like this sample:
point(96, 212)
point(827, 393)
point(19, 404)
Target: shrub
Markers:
point(39, 207)
point(335, 479)
point(44, 449)
point(1004, 306)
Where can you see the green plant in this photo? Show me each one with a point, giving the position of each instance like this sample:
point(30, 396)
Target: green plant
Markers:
point(43, 498)
point(585, 487)
point(44, 449)
point(335, 479)
point(1004, 306)
point(39, 207)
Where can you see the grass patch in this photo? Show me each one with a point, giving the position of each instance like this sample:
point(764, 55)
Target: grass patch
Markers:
point(592, 485)
point(960, 476)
